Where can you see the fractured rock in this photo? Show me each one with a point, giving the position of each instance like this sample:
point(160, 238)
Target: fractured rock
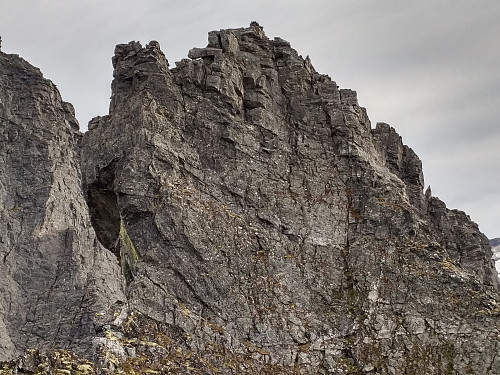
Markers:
point(275, 228)
point(55, 274)
point(254, 219)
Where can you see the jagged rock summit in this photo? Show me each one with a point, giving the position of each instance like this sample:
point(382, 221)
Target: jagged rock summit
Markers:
point(247, 218)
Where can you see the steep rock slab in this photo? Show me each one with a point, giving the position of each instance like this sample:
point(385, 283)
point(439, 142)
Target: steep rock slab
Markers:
point(55, 274)
point(263, 226)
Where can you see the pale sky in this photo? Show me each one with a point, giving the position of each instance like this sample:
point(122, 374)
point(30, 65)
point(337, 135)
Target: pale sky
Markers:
point(431, 68)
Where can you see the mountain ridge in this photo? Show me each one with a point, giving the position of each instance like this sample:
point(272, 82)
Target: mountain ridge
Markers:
point(251, 220)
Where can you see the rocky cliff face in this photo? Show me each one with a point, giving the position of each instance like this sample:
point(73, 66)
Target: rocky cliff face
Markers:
point(55, 274)
point(260, 224)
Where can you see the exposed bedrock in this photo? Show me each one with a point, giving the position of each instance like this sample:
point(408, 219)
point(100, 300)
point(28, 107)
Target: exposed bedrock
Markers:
point(55, 274)
point(241, 216)
point(275, 229)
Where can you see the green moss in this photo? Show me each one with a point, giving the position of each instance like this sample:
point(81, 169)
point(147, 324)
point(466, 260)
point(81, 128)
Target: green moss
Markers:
point(128, 255)
point(6, 371)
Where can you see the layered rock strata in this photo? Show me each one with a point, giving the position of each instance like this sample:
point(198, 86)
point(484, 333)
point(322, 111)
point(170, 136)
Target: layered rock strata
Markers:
point(262, 226)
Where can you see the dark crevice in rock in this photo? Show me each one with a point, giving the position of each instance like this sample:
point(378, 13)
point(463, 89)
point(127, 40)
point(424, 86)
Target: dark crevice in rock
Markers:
point(103, 204)
point(107, 220)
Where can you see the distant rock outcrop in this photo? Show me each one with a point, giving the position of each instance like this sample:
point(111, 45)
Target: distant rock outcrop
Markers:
point(495, 242)
point(495, 248)
point(261, 226)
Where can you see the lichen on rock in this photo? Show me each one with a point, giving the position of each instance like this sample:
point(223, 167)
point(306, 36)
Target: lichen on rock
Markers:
point(128, 255)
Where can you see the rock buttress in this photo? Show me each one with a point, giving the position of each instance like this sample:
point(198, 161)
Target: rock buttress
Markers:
point(275, 231)
point(55, 275)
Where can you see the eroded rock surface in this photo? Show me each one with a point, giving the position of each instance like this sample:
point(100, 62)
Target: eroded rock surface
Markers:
point(55, 274)
point(275, 229)
point(262, 226)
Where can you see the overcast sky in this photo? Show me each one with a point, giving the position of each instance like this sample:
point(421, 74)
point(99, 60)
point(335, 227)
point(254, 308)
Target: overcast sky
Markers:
point(431, 68)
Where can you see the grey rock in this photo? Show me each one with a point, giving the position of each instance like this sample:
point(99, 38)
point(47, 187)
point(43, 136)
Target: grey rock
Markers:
point(196, 53)
point(55, 274)
point(272, 223)
point(261, 225)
